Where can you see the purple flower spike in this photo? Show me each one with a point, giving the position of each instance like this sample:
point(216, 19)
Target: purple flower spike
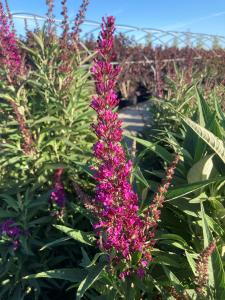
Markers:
point(12, 231)
point(120, 228)
point(9, 228)
point(123, 232)
point(58, 193)
point(10, 55)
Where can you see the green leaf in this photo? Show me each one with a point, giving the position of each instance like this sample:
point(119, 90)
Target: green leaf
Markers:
point(78, 235)
point(216, 269)
point(172, 277)
point(183, 190)
point(72, 275)
point(38, 40)
point(7, 214)
point(203, 109)
point(46, 119)
point(92, 276)
point(201, 170)
point(191, 261)
point(216, 144)
point(159, 150)
point(13, 203)
point(167, 258)
point(55, 243)
point(175, 237)
point(219, 111)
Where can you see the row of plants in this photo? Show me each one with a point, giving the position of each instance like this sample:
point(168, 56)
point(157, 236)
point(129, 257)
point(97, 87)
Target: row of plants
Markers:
point(146, 67)
point(45, 144)
point(80, 216)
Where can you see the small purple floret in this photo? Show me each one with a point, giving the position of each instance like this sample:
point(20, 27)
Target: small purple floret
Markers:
point(12, 231)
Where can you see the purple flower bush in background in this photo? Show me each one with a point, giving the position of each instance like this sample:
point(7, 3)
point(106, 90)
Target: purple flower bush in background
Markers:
point(10, 56)
point(13, 64)
point(79, 19)
point(11, 231)
point(50, 18)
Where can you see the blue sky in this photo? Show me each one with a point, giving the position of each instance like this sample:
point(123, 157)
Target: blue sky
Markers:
point(205, 16)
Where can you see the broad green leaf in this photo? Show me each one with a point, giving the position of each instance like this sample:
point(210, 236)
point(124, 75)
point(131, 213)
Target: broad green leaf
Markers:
point(78, 235)
point(47, 119)
point(219, 111)
point(7, 214)
point(191, 209)
point(175, 237)
point(216, 144)
point(203, 109)
point(38, 40)
point(172, 277)
point(13, 203)
point(92, 276)
point(191, 261)
point(72, 275)
point(55, 243)
point(167, 258)
point(183, 190)
point(159, 150)
point(201, 170)
point(94, 260)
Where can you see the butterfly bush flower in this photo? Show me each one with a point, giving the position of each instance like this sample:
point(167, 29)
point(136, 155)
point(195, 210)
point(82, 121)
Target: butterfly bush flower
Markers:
point(10, 55)
point(65, 55)
point(69, 41)
point(50, 18)
point(177, 295)
point(13, 63)
point(123, 232)
point(11, 231)
point(202, 268)
point(10, 16)
point(153, 212)
point(79, 19)
point(58, 196)
point(120, 227)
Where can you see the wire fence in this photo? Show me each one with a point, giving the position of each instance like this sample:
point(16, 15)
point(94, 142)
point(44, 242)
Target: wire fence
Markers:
point(141, 35)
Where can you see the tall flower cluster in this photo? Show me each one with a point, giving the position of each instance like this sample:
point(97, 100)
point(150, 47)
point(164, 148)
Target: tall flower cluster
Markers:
point(11, 59)
point(65, 55)
point(202, 265)
point(120, 227)
point(123, 232)
point(154, 210)
point(10, 55)
point(10, 16)
point(79, 19)
point(50, 18)
point(28, 141)
point(69, 41)
point(177, 295)
point(65, 21)
point(11, 232)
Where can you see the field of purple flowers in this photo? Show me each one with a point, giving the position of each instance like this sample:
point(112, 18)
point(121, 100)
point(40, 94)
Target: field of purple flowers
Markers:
point(81, 215)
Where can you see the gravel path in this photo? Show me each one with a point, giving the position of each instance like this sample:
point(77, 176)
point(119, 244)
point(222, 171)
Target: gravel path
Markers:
point(135, 118)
